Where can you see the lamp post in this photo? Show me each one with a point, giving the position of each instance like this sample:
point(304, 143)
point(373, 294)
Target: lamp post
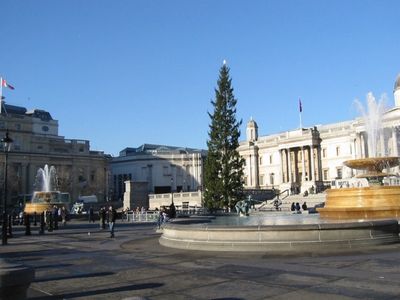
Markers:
point(172, 190)
point(7, 142)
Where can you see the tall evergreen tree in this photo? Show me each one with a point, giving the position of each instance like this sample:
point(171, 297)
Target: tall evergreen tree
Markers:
point(223, 169)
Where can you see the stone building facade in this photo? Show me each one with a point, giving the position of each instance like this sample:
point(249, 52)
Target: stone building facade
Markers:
point(299, 159)
point(166, 169)
point(80, 171)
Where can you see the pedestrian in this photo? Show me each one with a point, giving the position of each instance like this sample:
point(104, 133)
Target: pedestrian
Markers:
point(298, 208)
point(91, 214)
point(64, 216)
point(160, 219)
point(112, 217)
point(293, 207)
point(55, 216)
point(304, 206)
point(102, 216)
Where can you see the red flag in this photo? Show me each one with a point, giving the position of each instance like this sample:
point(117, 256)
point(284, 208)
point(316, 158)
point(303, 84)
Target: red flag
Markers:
point(6, 84)
point(300, 106)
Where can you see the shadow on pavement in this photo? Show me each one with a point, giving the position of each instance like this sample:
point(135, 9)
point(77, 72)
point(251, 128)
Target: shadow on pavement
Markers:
point(132, 287)
point(52, 278)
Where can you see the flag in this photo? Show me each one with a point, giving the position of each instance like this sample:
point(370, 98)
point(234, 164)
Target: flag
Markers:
point(6, 84)
point(300, 106)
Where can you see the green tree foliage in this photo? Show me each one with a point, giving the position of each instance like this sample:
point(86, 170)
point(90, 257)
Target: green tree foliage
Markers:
point(223, 170)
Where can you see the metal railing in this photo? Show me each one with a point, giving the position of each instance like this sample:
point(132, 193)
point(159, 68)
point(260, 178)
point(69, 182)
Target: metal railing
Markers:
point(147, 216)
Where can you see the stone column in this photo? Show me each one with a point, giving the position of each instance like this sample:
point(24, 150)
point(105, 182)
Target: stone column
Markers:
point(395, 151)
point(362, 139)
point(296, 165)
point(303, 165)
point(289, 159)
point(358, 151)
point(312, 176)
point(282, 166)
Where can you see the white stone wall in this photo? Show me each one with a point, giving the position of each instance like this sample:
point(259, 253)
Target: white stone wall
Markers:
point(194, 199)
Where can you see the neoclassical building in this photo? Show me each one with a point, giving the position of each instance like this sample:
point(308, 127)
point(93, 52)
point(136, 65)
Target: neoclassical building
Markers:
point(305, 157)
point(164, 169)
point(80, 170)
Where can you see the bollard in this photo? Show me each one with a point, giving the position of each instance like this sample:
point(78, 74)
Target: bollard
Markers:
point(15, 280)
point(10, 218)
point(34, 219)
point(27, 222)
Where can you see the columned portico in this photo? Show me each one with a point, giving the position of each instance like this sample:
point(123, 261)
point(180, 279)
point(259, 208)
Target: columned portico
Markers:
point(300, 171)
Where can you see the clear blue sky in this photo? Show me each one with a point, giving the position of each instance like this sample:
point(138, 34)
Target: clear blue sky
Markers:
point(123, 73)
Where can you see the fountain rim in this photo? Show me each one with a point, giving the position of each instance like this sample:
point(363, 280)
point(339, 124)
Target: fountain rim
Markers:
point(373, 163)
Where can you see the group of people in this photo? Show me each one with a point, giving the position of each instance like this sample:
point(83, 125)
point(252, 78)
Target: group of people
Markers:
point(53, 216)
point(109, 216)
point(295, 208)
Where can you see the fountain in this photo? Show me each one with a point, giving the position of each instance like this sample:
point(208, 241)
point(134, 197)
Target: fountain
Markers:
point(46, 194)
point(352, 219)
point(375, 201)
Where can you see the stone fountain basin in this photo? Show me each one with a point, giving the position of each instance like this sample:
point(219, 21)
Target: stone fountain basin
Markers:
point(376, 164)
point(293, 238)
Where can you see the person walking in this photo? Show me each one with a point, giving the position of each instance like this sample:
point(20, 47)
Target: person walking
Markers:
point(91, 214)
point(55, 216)
point(102, 216)
point(112, 217)
point(64, 216)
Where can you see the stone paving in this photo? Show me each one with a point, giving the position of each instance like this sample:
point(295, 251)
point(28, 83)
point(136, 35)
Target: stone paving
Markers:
point(80, 261)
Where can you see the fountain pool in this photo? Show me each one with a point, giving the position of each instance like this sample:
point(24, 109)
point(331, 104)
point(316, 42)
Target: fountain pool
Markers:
point(277, 233)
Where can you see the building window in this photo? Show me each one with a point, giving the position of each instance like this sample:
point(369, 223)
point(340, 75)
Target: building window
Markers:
point(45, 128)
point(351, 150)
point(325, 174)
point(271, 178)
point(261, 179)
point(337, 151)
point(270, 159)
point(166, 171)
point(324, 153)
point(92, 176)
point(339, 173)
point(245, 181)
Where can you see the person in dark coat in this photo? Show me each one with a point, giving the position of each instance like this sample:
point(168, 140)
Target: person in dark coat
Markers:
point(293, 207)
point(112, 217)
point(298, 208)
point(55, 216)
point(91, 214)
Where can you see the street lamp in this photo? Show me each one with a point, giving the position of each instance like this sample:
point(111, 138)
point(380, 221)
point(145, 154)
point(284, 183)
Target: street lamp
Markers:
point(7, 142)
point(172, 190)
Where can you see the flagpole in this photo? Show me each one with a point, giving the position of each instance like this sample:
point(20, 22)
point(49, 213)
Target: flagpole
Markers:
point(301, 124)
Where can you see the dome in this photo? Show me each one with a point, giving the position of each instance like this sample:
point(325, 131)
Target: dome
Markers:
point(397, 83)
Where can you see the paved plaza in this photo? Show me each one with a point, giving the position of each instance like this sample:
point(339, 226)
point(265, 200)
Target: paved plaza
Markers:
point(80, 261)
